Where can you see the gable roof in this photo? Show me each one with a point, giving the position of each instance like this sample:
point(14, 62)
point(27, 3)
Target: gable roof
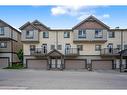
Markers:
point(54, 51)
point(91, 18)
point(39, 23)
point(9, 26)
point(26, 24)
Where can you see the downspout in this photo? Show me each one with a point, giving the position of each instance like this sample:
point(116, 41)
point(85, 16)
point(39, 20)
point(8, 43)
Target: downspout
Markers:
point(121, 57)
point(11, 47)
point(56, 40)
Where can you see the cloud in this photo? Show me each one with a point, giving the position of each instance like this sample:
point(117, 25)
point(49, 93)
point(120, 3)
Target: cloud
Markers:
point(106, 16)
point(69, 10)
point(80, 12)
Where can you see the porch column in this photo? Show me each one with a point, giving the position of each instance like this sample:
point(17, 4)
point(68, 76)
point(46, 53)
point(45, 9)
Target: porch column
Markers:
point(48, 63)
point(62, 62)
point(121, 57)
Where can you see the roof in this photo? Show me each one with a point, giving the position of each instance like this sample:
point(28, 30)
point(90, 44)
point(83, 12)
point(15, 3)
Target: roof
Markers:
point(38, 22)
point(9, 26)
point(118, 29)
point(91, 17)
point(56, 51)
point(26, 24)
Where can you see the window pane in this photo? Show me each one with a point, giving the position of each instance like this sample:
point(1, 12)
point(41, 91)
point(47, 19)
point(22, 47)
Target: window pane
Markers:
point(3, 45)
point(32, 47)
point(80, 47)
point(125, 46)
point(45, 34)
point(52, 47)
point(59, 47)
point(98, 47)
point(81, 34)
point(66, 34)
point(29, 34)
point(111, 34)
point(98, 33)
point(119, 47)
point(2, 31)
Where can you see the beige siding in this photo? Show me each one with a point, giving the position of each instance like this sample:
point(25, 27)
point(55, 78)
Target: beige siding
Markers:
point(8, 49)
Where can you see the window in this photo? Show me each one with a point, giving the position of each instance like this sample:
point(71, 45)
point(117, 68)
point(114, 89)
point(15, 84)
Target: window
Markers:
point(66, 34)
point(98, 33)
point(67, 46)
point(3, 44)
point(44, 46)
point(111, 34)
point(80, 47)
point(45, 34)
point(52, 47)
point(82, 34)
point(119, 47)
point(125, 46)
point(32, 47)
point(59, 47)
point(2, 31)
point(97, 47)
point(29, 34)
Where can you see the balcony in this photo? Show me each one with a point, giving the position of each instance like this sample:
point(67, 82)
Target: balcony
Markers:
point(110, 52)
point(71, 52)
point(38, 52)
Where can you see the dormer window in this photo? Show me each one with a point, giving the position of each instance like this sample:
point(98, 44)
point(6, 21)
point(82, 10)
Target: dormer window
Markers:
point(98, 33)
point(82, 34)
point(29, 34)
point(2, 31)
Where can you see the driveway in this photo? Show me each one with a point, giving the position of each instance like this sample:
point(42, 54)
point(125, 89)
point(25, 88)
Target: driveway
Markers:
point(40, 79)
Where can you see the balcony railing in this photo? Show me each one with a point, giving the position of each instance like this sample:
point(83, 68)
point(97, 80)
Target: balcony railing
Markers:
point(110, 51)
point(38, 52)
point(71, 52)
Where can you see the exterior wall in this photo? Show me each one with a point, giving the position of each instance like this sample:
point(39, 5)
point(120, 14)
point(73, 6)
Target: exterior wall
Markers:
point(9, 55)
point(8, 49)
point(90, 35)
point(35, 37)
point(7, 33)
point(17, 45)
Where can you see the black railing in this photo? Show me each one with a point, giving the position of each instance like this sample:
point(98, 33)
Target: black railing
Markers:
point(72, 51)
point(38, 51)
point(110, 51)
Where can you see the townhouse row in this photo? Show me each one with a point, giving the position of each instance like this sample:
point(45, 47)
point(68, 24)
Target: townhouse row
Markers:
point(89, 44)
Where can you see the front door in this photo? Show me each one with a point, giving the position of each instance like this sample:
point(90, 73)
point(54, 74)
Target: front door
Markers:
point(56, 63)
point(110, 47)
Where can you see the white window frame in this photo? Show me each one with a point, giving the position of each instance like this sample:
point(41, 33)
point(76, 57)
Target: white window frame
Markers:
point(97, 49)
point(3, 44)
point(46, 34)
point(99, 34)
point(1, 30)
point(30, 35)
point(66, 34)
point(82, 34)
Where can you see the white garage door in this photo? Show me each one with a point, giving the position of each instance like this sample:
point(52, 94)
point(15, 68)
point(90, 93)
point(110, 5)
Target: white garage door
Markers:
point(102, 64)
point(75, 64)
point(37, 64)
point(4, 62)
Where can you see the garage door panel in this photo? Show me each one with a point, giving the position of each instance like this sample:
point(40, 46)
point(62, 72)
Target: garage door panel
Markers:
point(102, 64)
point(3, 62)
point(74, 64)
point(37, 64)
